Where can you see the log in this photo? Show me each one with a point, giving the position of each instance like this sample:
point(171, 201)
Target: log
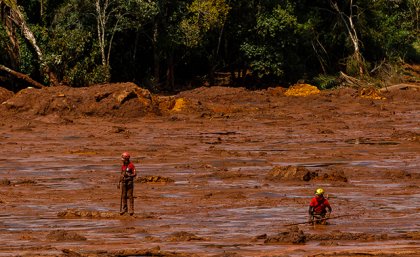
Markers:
point(400, 87)
point(22, 76)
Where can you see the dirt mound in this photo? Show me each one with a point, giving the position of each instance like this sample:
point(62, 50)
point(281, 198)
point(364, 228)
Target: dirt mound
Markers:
point(63, 235)
point(302, 90)
point(129, 100)
point(218, 94)
point(121, 99)
point(293, 235)
point(298, 173)
point(5, 94)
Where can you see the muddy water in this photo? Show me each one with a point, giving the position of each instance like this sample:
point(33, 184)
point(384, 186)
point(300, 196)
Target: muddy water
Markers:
point(220, 195)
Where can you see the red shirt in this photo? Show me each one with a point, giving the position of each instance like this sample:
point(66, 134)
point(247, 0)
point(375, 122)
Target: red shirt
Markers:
point(128, 169)
point(320, 204)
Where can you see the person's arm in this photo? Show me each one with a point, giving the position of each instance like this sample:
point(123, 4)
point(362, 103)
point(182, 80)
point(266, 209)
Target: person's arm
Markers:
point(328, 208)
point(311, 214)
point(311, 211)
point(134, 172)
point(120, 179)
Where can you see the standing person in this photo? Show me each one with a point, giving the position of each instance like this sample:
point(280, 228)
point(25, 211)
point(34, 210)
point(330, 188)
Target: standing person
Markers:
point(127, 175)
point(319, 208)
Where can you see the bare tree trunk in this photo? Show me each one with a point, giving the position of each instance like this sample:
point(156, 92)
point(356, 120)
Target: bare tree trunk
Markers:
point(101, 24)
point(351, 29)
point(170, 77)
point(156, 61)
point(13, 47)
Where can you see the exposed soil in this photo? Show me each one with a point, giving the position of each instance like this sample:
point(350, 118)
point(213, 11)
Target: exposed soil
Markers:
point(222, 171)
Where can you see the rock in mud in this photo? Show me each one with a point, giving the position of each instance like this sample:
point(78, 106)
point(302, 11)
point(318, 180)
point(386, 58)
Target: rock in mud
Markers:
point(293, 235)
point(299, 173)
point(290, 173)
point(63, 235)
point(184, 236)
point(154, 179)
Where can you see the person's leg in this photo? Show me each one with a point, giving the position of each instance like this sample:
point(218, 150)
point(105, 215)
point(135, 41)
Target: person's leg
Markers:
point(317, 218)
point(124, 196)
point(130, 191)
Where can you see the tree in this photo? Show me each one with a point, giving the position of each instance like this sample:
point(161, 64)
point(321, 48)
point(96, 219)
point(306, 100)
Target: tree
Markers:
point(203, 17)
point(352, 32)
point(276, 49)
point(113, 16)
point(11, 16)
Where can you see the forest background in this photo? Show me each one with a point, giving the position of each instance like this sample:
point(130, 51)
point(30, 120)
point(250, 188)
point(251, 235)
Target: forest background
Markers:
point(171, 45)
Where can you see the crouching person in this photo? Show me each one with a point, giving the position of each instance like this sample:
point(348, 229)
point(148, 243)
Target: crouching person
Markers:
point(319, 208)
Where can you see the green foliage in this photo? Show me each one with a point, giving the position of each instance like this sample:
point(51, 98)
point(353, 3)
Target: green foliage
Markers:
point(276, 39)
point(73, 57)
point(203, 16)
point(325, 81)
point(279, 35)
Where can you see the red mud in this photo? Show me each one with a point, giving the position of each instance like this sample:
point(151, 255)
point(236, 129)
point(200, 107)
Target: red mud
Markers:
point(222, 172)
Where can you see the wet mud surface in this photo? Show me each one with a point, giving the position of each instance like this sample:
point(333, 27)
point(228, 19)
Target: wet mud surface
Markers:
point(226, 175)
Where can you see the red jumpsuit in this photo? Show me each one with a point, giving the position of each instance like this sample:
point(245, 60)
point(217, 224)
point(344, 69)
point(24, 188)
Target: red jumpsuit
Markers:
point(128, 173)
point(318, 208)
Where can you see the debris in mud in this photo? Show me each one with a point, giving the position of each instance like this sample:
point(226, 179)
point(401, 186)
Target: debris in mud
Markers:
point(364, 253)
point(293, 235)
point(63, 235)
point(344, 236)
point(406, 135)
point(156, 251)
point(276, 91)
point(25, 182)
point(180, 104)
point(332, 175)
point(5, 182)
point(71, 213)
point(153, 179)
point(302, 90)
point(400, 174)
point(229, 174)
point(184, 236)
point(300, 173)
point(413, 235)
point(371, 93)
point(227, 254)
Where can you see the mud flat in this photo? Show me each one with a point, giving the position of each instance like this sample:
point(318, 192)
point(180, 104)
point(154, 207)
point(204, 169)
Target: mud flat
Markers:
point(222, 172)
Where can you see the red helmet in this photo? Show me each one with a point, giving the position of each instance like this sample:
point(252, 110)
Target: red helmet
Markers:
point(125, 156)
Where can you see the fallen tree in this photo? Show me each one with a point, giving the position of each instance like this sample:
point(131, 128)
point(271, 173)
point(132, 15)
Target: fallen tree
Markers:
point(21, 76)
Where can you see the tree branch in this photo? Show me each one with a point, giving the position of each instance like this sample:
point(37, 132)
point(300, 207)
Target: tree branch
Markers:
point(21, 76)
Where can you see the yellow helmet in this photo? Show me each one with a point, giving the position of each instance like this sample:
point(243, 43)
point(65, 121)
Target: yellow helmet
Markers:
point(319, 191)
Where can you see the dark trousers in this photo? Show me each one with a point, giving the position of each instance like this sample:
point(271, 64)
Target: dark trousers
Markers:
point(127, 193)
point(319, 218)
